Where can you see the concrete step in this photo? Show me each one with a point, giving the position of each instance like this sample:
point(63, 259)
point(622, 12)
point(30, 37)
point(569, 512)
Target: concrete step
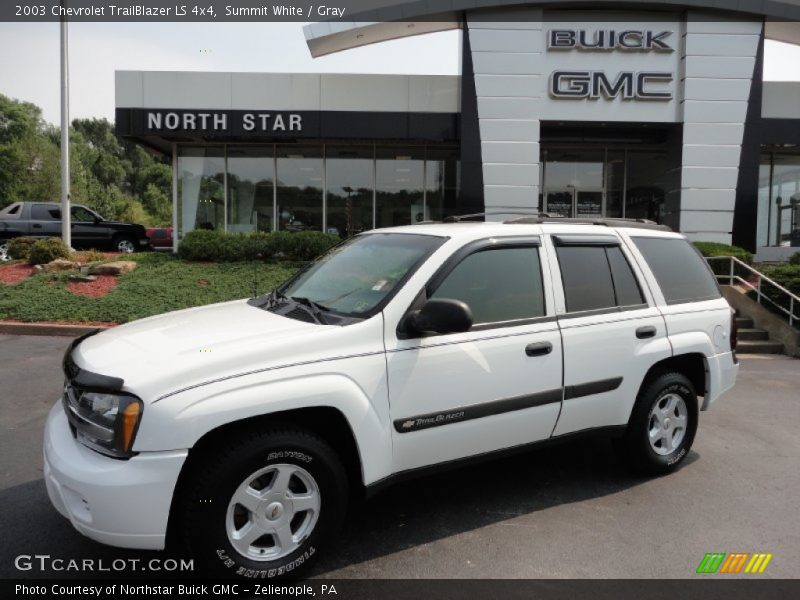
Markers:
point(753, 334)
point(744, 322)
point(759, 347)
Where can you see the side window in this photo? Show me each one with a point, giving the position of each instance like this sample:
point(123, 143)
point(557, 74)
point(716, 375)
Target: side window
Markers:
point(45, 212)
point(502, 284)
point(82, 215)
point(681, 272)
point(626, 288)
point(597, 277)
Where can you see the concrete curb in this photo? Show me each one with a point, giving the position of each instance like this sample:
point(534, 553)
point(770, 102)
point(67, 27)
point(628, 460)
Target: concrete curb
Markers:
point(9, 328)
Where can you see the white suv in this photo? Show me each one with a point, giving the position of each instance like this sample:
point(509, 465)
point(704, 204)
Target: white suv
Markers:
point(242, 429)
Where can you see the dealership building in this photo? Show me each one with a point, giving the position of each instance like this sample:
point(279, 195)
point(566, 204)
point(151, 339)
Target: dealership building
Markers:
point(646, 110)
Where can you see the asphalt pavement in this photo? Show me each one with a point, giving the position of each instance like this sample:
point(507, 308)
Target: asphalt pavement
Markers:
point(567, 511)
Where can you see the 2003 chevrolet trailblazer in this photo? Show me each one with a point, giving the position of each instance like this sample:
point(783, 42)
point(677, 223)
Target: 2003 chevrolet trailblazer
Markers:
point(241, 429)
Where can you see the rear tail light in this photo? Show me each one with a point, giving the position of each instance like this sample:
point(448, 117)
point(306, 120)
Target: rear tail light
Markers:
point(734, 330)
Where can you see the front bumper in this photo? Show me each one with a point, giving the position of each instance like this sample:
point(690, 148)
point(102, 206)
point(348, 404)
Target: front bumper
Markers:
point(122, 503)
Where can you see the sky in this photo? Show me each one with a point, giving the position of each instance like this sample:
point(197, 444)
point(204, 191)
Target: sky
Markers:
point(30, 69)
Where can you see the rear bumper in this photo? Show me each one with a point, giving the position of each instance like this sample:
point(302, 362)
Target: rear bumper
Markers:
point(722, 371)
point(122, 503)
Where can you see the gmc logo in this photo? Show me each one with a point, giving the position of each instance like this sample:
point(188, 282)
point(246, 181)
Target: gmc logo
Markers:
point(628, 85)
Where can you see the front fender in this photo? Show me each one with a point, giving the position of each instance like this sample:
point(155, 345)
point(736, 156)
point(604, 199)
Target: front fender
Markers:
point(179, 421)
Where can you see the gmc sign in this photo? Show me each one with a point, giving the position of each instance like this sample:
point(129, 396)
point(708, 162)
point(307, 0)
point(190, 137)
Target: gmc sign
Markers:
point(628, 85)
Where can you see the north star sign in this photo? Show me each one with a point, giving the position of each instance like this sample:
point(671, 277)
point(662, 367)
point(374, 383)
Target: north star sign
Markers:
point(628, 85)
point(220, 122)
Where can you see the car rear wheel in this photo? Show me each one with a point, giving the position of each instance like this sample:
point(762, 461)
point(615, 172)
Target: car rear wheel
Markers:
point(662, 426)
point(265, 506)
point(125, 245)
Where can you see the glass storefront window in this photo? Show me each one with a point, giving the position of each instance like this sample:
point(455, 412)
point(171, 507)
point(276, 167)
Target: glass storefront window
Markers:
point(251, 178)
point(201, 188)
point(646, 185)
point(785, 198)
point(399, 184)
point(441, 182)
point(615, 183)
point(764, 200)
point(299, 188)
point(350, 183)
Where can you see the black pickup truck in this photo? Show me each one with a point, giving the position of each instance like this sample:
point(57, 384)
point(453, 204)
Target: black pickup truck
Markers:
point(89, 230)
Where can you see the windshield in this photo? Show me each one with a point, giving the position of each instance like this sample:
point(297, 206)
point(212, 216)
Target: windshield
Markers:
point(355, 277)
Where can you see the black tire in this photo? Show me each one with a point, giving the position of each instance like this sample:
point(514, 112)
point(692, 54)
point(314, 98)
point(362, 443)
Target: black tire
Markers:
point(211, 486)
point(635, 448)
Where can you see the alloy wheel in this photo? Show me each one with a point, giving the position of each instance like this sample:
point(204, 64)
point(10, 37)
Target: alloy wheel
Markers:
point(273, 512)
point(667, 423)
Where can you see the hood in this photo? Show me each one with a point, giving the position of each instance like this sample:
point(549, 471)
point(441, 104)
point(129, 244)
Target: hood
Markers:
point(165, 353)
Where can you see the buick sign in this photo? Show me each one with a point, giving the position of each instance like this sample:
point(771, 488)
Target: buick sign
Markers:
point(609, 39)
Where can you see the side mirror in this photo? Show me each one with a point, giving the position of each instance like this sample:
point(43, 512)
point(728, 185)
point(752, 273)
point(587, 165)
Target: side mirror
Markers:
point(440, 315)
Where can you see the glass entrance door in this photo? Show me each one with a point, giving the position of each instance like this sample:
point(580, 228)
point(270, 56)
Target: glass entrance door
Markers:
point(574, 183)
point(574, 202)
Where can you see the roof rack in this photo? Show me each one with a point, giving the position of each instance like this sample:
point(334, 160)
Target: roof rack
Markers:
point(613, 222)
point(475, 216)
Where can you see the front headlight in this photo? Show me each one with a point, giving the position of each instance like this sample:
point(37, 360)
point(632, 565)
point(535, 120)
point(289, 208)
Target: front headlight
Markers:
point(103, 421)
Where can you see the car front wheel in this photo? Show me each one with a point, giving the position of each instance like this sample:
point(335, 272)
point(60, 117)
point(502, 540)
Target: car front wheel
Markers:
point(264, 507)
point(662, 426)
point(125, 245)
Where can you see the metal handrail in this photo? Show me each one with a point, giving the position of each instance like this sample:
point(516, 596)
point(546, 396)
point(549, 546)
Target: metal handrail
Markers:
point(794, 300)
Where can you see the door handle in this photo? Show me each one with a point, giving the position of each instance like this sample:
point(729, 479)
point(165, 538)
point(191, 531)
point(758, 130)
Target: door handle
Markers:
point(538, 348)
point(645, 332)
point(36, 226)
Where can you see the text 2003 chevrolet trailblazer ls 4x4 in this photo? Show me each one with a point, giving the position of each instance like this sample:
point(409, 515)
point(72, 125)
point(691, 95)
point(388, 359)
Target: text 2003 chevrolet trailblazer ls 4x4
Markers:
point(241, 429)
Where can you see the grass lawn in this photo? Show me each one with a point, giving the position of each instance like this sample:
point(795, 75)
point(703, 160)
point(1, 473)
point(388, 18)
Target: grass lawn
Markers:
point(160, 283)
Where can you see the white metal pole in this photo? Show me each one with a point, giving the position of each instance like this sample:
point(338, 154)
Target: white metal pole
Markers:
point(65, 200)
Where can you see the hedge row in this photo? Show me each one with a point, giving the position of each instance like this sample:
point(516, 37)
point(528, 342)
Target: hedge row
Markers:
point(220, 246)
point(37, 251)
point(709, 249)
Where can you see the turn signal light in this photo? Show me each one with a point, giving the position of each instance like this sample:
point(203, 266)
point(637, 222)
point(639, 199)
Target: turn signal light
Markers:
point(130, 417)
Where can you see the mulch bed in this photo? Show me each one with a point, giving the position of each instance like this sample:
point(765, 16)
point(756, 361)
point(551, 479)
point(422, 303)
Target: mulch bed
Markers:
point(93, 289)
point(11, 274)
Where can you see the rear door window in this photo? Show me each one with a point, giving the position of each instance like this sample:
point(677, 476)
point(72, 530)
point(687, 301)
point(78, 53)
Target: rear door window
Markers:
point(680, 270)
point(597, 277)
point(45, 212)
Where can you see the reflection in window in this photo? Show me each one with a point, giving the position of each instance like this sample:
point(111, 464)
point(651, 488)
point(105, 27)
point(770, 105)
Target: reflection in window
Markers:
point(786, 199)
point(251, 175)
point(399, 183)
point(299, 189)
point(441, 182)
point(349, 178)
point(200, 188)
point(644, 198)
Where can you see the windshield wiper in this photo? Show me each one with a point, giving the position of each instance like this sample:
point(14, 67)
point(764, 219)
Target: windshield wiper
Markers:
point(314, 309)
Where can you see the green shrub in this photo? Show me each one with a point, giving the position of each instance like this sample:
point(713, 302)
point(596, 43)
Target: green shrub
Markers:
point(20, 248)
point(720, 267)
point(788, 276)
point(46, 250)
point(795, 259)
point(204, 245)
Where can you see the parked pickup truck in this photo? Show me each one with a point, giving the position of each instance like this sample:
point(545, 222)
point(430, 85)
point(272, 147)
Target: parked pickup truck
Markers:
point(242, 430)
point(89, 230)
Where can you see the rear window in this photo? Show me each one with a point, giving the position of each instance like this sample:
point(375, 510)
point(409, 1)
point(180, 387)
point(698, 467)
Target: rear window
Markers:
point(12, 210)
point(681, 272)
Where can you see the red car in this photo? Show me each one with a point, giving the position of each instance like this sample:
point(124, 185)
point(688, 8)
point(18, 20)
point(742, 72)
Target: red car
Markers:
point(160, 237)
